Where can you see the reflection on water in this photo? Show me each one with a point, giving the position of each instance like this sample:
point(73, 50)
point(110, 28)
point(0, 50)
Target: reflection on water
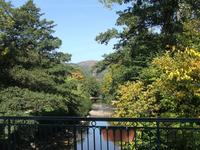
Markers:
point(101, 136)
point(96, 138)
point(118, 135)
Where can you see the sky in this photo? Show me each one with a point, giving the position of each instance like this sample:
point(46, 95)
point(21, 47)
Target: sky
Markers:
point(78, 23)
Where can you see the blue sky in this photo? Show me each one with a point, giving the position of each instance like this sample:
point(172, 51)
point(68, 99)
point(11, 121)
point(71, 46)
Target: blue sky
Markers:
point(78, 23)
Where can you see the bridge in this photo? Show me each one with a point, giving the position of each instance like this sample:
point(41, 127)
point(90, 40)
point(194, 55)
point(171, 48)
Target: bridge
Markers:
point(75, 133)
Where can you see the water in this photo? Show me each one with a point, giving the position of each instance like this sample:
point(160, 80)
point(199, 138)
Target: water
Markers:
point(96, 140)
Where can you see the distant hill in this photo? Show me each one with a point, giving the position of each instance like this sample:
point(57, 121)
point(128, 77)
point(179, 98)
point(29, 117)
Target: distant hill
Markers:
point(87, 66)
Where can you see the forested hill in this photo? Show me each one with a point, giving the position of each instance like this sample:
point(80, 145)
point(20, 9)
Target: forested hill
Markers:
point(88, 66)
point(92, 80)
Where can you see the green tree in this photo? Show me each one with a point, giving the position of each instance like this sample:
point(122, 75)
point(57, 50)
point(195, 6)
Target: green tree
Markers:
point(149, 28)
point(160, 75)
point(93, 86)
point(33, 75)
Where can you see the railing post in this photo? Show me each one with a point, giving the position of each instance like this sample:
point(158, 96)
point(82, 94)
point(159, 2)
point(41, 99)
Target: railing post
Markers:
point(9, 136)
point(75, 141)
point(158, 134)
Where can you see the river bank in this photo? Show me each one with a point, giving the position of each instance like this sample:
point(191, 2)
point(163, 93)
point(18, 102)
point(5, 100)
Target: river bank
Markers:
point(101, 110)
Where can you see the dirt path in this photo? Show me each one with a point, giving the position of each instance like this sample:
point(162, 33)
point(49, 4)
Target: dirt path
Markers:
point(101, 110)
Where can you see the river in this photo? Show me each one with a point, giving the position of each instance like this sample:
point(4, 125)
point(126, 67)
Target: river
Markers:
point(100, 142)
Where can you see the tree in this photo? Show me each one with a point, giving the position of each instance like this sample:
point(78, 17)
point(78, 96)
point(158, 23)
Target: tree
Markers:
point(149, 28)
point(169, 87)
point(93, 86)
point(33, 75)
point(158, 49)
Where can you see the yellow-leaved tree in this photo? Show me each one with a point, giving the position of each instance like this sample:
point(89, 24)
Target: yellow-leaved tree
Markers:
point(169, 87)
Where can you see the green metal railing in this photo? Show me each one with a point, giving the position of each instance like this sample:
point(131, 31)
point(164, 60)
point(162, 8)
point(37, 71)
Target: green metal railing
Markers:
point(74, 133)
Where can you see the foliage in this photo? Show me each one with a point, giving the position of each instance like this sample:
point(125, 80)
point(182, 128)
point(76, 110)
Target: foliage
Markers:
point(34, 77)
point(148, 29)
point(80, 90)
point(93, 86)
point(115, 75)
point(169, 87)
point(17, 101)
point(108, 3)
point(154, 70)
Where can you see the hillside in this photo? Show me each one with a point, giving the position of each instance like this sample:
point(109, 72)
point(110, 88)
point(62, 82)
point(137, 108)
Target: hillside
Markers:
point(88, 66)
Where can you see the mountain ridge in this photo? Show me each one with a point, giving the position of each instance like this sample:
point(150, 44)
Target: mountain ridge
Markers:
point(87, 67)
